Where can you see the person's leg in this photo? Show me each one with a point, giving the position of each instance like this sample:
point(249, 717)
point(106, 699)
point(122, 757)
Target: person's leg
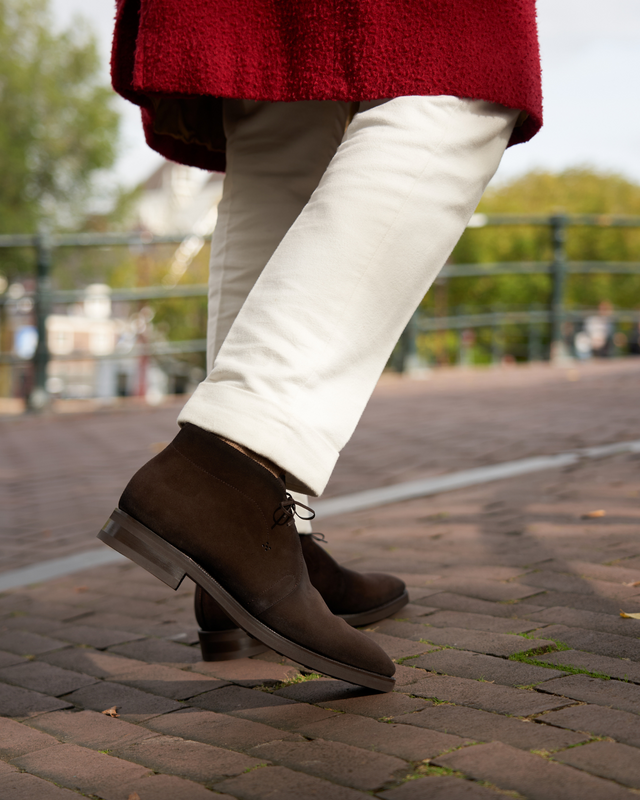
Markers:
point(276, 156)
point(304, 353)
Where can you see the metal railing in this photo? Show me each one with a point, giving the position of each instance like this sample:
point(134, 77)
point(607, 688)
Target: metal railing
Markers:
point(555, 315)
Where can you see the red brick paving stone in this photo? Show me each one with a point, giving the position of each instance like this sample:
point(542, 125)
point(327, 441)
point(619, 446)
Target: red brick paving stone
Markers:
point(450, 601)
point(91, 662)
point(414, 579)
point(9, 659)
point(576, 618)
point(320, 691)
point(400, 630)
point(100, 638)
point(529, 774)
point(405, 676)
point(586, 602)
point(378, 706)
point(23, 604)
point(403, 741)
point(619, 725)
point(281, 783)
point(133, 705)
point(39, 625)
point(140, 609)
point(497, 591)
point(177, 684)
point(116, 622)
point(193, 760)
point(236, 698)
point(17, 739)
point(495, 644)
point(22, 703)
point(616, 762)
point(22, 786)
point(440, 787)
point(159, 651)
point(477, 622)
point(557, 582)
point(24, 643)
point(220, 730)
point(612, 693)
point(395, 647)
point(45, 678)
point(89, 729)
point(613, 667)
point(286, 718)
point(169, 787)
point(603, 644)
point(247, 671)
point(480, 667)
point(412, 610)
point(484, 726)
point(333, 761)
point(486, 696)
point(82, 770)
point(603, 572)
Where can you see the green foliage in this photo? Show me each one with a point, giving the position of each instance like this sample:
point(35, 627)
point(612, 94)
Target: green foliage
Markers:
point(57, 123)
point(574, 191)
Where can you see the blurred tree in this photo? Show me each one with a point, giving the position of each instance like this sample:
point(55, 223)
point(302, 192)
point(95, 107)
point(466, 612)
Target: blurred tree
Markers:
point(57, 122)
point(577, 191)
point(574, 191)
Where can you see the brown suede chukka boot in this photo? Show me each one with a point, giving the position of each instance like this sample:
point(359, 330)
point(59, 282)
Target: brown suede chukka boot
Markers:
point(359, 598)
point(204, 509)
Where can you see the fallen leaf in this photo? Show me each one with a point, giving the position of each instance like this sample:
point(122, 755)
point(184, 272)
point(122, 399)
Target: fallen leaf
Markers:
point(82, 589)
point(111, 712)
point(629, 616)
point(633, 583)
point(134, 796)
point(593, 514)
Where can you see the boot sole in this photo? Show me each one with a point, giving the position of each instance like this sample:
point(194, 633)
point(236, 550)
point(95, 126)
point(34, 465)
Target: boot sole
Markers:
point(227, 645)
point(144, 547)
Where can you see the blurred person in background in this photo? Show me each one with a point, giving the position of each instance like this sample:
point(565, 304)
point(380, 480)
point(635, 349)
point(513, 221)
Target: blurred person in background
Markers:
point(357, 140)
point(599, 331)
point(633, 339)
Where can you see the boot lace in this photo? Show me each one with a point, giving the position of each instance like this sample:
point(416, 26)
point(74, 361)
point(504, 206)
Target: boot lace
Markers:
point(288, 510)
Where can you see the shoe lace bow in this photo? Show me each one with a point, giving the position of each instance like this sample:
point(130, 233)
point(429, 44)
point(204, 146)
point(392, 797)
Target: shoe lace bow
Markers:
point(288, 510)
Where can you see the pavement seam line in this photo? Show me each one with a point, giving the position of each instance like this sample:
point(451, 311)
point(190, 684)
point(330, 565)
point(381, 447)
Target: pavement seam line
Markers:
point(358, 501)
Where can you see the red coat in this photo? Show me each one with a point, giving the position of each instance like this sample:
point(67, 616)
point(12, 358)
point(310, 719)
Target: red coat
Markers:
point(176, 58)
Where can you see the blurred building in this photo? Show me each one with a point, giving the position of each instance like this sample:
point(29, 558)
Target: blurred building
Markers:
point(175, 198)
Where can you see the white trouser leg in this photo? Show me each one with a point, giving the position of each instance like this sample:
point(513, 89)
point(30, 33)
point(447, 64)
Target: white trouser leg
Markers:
point(277, 153)
point(303, 355)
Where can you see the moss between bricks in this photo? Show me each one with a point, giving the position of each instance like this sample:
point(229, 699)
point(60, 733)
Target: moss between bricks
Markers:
point(529, 657)
point(548, 754)
point(300, 678)
point(251, 769)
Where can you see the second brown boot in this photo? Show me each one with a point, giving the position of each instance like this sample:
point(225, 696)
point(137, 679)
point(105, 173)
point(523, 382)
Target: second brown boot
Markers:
point(359, 598)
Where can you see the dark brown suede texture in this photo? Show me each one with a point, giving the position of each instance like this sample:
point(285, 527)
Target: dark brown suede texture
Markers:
point(222, 509)
point(343, 590)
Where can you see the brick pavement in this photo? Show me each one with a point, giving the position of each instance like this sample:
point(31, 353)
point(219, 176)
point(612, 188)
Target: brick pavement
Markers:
point(59, 482)
point(516, 675)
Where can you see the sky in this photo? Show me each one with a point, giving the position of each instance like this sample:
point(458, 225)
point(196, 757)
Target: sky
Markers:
point(591, 74)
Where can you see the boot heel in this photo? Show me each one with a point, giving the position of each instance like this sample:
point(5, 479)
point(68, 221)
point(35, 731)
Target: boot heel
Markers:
point(228, 645)
point(139, 544)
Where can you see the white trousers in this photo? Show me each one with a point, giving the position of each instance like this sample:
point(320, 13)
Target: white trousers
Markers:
point(325, 244)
